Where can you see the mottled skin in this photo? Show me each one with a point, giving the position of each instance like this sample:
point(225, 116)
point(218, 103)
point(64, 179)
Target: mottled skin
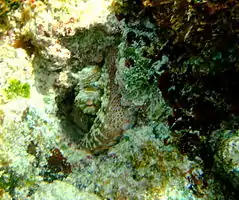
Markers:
point(112, 120)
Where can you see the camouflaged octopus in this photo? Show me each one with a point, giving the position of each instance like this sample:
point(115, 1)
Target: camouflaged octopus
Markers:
point(112, 119)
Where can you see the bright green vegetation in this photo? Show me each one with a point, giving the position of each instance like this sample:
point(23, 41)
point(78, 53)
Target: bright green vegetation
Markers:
point(16, 88)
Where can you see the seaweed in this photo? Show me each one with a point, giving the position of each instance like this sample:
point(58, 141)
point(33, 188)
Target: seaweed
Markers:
point(16, 88)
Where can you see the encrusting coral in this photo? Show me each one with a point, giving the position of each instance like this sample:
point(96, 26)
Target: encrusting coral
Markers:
point(224, 145)
point(92, 103)
point(141, 166)
point(57, 189)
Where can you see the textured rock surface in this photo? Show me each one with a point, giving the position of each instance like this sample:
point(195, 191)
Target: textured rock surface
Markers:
point(94, 123)
point(142, 167)
point(61, 191)
point(227, 156)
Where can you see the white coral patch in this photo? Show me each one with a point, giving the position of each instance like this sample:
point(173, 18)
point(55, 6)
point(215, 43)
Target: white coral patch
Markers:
point(94, 11)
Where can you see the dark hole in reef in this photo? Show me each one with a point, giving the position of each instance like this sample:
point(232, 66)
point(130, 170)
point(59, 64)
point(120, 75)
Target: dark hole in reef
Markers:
point(74, 122)
point(211, 100)
point(57, 162)
point(229, 191)
point(57, 167)
point(193, 110)
point(207, 156)
point(25, 44)
point(200, 102)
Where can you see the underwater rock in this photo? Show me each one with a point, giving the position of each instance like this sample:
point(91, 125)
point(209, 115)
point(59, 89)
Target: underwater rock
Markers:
point(68, 51)
point(141, 166)
point(16, 73)
point(4, 195)
point(61, 190)
point(227, 158)
point(25, 141)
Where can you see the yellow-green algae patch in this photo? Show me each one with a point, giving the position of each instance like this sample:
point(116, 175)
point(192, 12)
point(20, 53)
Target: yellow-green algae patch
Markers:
point(17, 88)
point(16, 73)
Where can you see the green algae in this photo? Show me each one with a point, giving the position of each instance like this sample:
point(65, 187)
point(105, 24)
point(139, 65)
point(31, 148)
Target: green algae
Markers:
point(17, 88)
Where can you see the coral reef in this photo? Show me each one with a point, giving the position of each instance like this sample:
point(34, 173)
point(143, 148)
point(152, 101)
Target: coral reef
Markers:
point(7, 6)
point(23, 151)
point(195, 72)
point(228, 152)
point(16, 72)
point(142, 167)
point(61, 190)
point(119, 99)
point(136, 73)
point(224, 144)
